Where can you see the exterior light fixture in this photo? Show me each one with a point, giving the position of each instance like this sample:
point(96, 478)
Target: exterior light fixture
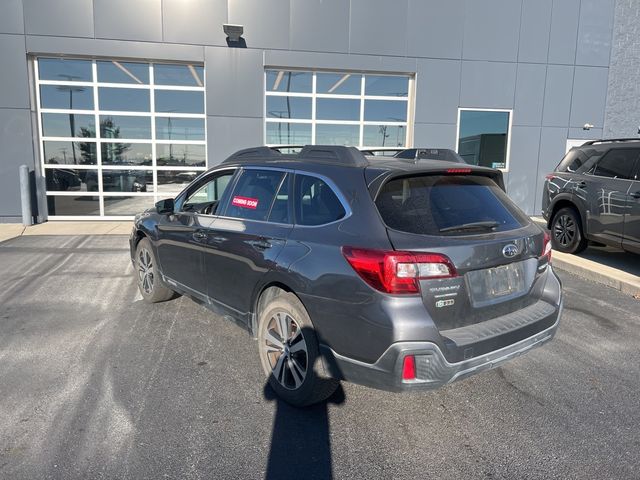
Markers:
point(587, 126)
point(233, 32)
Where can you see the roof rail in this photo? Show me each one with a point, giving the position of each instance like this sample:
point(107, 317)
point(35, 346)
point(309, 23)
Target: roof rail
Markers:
point(334, 154)
point(606, 140)
point(255, 152)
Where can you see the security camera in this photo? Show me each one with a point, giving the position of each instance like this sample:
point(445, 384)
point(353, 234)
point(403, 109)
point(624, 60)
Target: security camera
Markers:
point(587, 126)
point(233, 32)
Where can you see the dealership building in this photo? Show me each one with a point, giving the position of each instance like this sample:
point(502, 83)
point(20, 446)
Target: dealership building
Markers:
point(114, 104)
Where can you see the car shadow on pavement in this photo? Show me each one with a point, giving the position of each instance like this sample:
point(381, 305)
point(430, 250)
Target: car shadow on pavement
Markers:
point(300, 440)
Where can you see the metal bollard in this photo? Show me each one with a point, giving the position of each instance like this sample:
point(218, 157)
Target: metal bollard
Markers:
point(25, 196)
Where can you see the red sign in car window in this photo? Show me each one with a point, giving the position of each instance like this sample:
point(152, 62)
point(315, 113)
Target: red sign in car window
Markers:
point(245, 202)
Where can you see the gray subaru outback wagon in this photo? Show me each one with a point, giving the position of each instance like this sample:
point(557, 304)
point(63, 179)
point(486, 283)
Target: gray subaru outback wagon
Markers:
point(398, 274)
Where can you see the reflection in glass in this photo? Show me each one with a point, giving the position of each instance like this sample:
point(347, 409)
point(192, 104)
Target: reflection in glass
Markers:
point(122, 126)
point(121, 206)
point(75, 97)
point(116, 153)
point(171, 128)
point(282, 81)
point(288, 107)
point(73, 205)
point(179, 155)
point(384, 135)
point(337, 109)
point(123, 72)
point(183, 75)
point(385, 111)
point(124, 99)
point(68, 179)
point(62, 69)
point(386, 85)
point(339, 83)
point(68, 125)
point(172, 182)
point(127, 180)
point(338, 135)
point(483, 137)
point(171, 101)
point(283, 133)
point(69, 153)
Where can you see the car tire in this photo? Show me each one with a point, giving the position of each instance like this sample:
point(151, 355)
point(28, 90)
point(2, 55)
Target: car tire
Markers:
point(566, 231)
point(150, 284)
point(289, 352)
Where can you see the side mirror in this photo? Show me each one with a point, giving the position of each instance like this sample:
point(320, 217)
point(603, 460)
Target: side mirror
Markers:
point(165, 207)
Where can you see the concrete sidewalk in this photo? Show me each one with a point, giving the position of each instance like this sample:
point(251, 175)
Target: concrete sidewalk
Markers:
point(618, 270)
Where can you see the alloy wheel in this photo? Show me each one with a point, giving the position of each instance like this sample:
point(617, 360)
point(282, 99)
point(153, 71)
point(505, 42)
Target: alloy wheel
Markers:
point(564, 230)
point(145, 270)
point(286, 350)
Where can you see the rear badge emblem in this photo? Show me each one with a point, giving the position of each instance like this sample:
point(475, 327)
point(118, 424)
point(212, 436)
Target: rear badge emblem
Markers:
point(510, 250)
point(445, 303)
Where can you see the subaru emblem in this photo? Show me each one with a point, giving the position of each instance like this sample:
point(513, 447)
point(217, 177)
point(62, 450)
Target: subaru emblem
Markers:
point(510, 250)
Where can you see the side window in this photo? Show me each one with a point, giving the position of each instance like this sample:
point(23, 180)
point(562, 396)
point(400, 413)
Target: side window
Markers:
point(254, 194)
point(617, 163)
point(315, 202)
point(206, 199)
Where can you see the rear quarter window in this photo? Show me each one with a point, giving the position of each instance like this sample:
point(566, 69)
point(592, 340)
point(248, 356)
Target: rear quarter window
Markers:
point(439, 204)
point(315, 202)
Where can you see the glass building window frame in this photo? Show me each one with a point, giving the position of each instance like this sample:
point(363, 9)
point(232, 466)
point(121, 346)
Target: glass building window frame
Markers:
point(509, 111)
point(98, 141)
point(362, 97)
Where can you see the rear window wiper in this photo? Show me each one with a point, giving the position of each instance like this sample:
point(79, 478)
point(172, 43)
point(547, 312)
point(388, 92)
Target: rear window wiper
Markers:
point(488, 225)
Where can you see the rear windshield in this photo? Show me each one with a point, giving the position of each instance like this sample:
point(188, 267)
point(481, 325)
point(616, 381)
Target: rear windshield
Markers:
point(447, 205)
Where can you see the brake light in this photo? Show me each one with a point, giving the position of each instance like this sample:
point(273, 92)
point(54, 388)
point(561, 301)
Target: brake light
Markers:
point(549, 176)
point(546, 247)
point(458, 170)
point(397, 272)
point(409, 368)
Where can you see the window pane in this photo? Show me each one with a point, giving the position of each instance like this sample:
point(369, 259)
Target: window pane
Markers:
point(123, 72)
point(117, 153)
point(69, 180)
point(254, 194)
point(385, 111)
point(127, 180)
point(288, 107)
point(280, 209)
point(181, 155)
point(617, 163)
point(73, 205)
point(64, 69)
point(386, 86)
point(122, 126)
point(282, 81)
point(205, 199)
point(384, 135)
point(169, 101)
point(483, 138)
point(338, 83)
point(338, 135)
point(68, 125)
point(172, 182)
point(315, 202)
point(337, 109)
point(124, 99)
point(66, 96)
point(288, 133)
point(127, 205)
point(171, 128)
point(70, 153)
point(183, 75)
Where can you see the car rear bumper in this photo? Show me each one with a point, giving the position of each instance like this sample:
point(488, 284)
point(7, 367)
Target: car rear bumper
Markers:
point(432, 368)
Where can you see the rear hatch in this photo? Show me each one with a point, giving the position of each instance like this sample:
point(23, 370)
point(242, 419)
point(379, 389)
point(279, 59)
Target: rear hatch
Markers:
point(463, 214)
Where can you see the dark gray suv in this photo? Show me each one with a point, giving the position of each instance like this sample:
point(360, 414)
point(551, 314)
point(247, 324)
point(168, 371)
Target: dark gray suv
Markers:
point(594, 194)
point(392, 273)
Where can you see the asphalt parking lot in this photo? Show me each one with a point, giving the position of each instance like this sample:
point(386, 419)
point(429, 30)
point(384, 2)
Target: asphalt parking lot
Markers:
point(96, 384)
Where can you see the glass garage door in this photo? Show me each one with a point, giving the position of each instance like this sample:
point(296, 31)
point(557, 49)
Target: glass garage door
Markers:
point(115, 136)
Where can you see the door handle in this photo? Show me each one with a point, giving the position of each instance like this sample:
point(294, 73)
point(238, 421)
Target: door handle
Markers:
point(199, 236)
point(582, 184)
point(260, 244)
point(635, 194)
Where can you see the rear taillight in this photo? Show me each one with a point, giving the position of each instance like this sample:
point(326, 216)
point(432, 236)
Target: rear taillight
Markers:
point(546, 247)
point(397, 272)
point(549, 176)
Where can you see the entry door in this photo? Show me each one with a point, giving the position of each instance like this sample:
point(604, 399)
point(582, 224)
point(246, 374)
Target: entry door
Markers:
point(607, 187)
point(244, 243)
